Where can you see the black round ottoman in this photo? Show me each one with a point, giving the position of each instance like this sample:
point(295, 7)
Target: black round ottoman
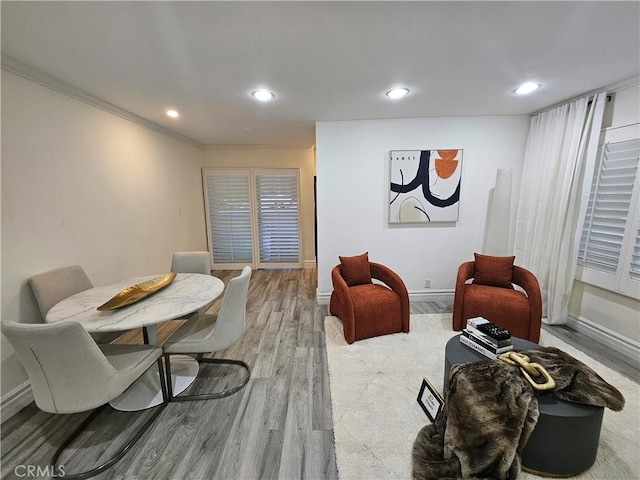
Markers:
point(565, 440)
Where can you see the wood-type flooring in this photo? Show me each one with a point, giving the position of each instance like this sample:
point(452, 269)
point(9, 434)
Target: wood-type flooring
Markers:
point(278, 427)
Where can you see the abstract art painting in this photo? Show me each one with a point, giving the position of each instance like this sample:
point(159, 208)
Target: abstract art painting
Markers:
point(425, 186)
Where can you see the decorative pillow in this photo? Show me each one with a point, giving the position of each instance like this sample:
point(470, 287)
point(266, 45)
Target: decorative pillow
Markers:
point(356, 270)
point(493, 271)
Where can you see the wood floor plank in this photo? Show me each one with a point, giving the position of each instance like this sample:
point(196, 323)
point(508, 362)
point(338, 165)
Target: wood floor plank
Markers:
point(321, 395)
point(296, 449)
point(273, 452)
point(263, 367)
point(322, 464)
point(244, 448)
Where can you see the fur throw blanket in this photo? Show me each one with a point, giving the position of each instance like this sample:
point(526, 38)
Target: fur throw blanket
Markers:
point(498, 397)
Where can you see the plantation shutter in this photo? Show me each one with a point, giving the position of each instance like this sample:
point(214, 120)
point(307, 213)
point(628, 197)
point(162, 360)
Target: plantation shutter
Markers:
point(634, 265)
point(610, 215)
point(278, 217)
point(253, 217)
point(609, 206)
point(229, 217)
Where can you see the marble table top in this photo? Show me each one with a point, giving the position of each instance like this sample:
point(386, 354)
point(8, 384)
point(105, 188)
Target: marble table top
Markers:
point(186, 294)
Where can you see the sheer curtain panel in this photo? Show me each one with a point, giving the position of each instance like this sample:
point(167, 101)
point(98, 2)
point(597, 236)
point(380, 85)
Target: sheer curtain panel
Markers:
point(558, 168)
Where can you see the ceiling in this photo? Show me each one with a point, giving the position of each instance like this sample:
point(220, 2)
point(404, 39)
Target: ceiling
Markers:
point(325, 61)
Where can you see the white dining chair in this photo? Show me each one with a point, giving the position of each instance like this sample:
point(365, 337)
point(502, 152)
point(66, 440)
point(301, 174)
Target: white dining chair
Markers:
point(210, 333)
point(191, 262)
point(70, 373)
point(54, 286)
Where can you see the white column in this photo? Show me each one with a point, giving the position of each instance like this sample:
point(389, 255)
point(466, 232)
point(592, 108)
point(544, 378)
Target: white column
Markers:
point(499, 216)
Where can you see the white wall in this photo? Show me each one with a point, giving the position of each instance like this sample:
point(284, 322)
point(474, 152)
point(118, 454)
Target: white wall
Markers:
point(83, 186)
point(271, 157)
point(608, 316)
point(353, 192)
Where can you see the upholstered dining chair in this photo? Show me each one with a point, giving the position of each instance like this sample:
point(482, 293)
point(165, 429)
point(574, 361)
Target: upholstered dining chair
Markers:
point(54, 286)
point(209, 333)
point(191, 262)
point(368, 309)
point(70, 373)
point(485, 288)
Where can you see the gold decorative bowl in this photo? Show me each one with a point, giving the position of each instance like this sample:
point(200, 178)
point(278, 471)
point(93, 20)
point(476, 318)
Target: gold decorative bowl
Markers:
point(137, 292)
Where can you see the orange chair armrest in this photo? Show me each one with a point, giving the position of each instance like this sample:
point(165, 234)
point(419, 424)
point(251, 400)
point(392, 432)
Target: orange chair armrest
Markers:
point(339, 285)
point(341, 305)
point(395, 283)
point(389, 277)
point(529, 283)
point(465, 272)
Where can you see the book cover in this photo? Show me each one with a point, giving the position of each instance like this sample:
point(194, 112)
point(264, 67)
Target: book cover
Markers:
point(489, 346)
point(487, 338)
point(484, 328)
point(474, 346)
point(475, 321)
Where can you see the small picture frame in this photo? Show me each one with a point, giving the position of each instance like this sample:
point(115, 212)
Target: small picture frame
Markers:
point(430, 400)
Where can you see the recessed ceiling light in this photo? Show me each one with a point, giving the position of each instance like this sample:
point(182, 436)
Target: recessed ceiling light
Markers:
point(263, 95)
point(527, 88)
point(172, 113)
point(397, 92)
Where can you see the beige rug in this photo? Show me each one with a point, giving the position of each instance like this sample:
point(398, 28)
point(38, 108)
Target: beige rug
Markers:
point(375, 383)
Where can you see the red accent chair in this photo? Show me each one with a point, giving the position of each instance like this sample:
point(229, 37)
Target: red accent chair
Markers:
point(370, 309)
point(519, 312)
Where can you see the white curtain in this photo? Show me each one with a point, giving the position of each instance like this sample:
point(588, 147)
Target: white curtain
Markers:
point(557, 173)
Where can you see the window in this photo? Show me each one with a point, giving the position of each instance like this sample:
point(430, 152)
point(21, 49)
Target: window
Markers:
point(277, 204)
point(253, 217)
point(609, 255)
point(228, 206)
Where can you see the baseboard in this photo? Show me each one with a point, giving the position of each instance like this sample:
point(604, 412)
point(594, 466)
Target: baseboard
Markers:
point(430, 295)
point(15, 400)
point(626, 346)
point(309, 264)
point(322, 298)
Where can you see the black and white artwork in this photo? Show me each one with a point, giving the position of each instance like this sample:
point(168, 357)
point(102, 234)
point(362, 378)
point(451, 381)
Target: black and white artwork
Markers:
point(425, 186)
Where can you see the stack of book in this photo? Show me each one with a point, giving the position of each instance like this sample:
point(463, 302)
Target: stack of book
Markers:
point(486, 338)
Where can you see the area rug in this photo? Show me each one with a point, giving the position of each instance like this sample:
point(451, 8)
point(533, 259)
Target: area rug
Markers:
point(375, 382)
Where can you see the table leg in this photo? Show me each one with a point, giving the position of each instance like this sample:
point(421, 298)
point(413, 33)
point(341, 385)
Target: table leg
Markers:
point(150, 335)
point(146, 392)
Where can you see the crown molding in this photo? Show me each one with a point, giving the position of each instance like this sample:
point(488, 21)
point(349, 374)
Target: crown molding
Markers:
point(254, 146)
point(23, 70)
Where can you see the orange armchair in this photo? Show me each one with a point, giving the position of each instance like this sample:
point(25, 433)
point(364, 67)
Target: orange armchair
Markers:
point(369, 309)
point(519, 312)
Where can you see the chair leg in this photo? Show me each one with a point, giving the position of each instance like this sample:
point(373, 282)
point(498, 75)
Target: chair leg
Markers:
point(163, 382)
point(208, 396)
point(167, 366)
point(120, 453)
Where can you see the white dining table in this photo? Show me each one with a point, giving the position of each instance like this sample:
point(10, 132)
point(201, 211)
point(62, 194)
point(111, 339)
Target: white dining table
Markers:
point(188, 293)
